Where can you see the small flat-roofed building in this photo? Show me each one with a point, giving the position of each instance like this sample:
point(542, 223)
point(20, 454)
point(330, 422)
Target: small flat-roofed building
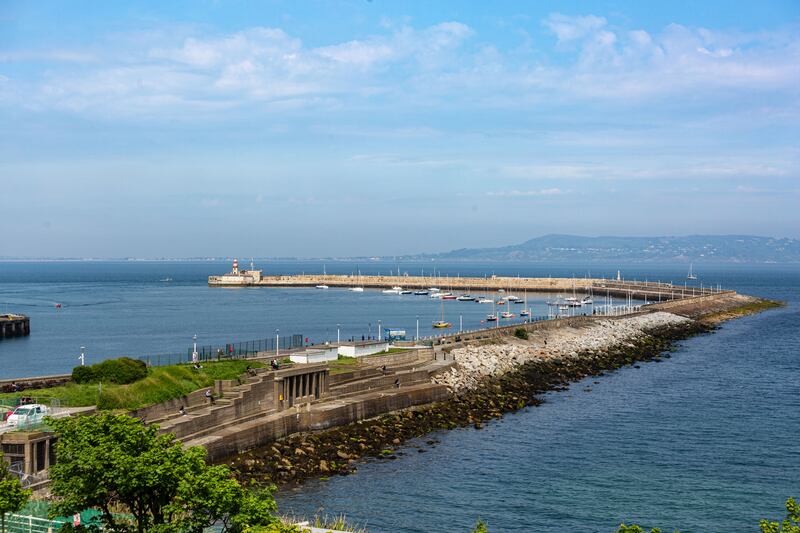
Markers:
point(362, 348)
point(318, 354)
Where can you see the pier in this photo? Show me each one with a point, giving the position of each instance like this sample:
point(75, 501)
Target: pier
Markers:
point(644, 290)
point(14, 326)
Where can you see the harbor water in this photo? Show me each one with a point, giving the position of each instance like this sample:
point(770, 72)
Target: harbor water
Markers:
point(706, 440)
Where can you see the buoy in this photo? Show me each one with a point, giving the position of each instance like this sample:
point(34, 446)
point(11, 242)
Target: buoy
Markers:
point(58, 306)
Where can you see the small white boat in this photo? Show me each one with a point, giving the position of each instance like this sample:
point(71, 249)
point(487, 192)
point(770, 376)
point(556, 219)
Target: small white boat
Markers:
point(466, 298)
point(422, 292)
point(525, 312)
point(507, 314)
point(165, 280)
point(433, 289)
point(691, 274)
point(393, 290)
point(485, 301)
point(356, 289)
point(435, 295)
point(406, 291)
point(491, 318)
point(321, 286)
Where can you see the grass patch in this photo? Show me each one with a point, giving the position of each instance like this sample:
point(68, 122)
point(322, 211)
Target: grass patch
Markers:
point(161, 384)
point(392, 350)
point(743, 310)
point(343, 364)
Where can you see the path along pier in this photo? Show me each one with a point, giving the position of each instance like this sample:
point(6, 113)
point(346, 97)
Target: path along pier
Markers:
point(645, 290)
point(14, 326)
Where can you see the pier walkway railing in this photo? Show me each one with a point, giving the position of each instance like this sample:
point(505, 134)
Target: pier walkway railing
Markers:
point(228, 350)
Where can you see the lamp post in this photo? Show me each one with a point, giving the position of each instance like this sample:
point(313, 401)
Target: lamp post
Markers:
point(277, 342)
point(82, 357)
point(417, 338)
point(380, 335)
point(194, 348)
point(338, 338)
point(460, 323)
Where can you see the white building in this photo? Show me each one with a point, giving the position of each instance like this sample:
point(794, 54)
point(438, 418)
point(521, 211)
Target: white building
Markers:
point(362, 348)
point(316, 355)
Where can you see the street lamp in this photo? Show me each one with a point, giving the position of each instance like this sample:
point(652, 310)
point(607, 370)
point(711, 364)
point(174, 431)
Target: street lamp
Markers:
point(380, 336)
point(338, 338)
point(277, 342)
point(417, 338)
point(194, 348)
point(82, 356)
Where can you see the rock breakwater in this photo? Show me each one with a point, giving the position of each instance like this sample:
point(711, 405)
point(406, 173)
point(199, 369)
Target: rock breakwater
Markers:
point(519, 374)
point(473, 363)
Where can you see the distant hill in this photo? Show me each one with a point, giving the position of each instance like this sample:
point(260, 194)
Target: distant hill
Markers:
point(697, 248)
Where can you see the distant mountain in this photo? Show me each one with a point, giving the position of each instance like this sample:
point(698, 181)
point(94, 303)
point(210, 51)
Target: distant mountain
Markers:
point(697, 248)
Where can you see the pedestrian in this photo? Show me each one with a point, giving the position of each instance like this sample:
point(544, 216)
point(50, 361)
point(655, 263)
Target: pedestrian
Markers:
point(383, 369)
point(397, 383)
point(182, 411)
point(14, 386)
point(209, 397)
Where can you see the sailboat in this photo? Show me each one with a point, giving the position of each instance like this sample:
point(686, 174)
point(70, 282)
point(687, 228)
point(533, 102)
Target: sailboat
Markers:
point(527, 310)
point(690, 275)
point(358, 288)
point(493, 316)
point(439, 324)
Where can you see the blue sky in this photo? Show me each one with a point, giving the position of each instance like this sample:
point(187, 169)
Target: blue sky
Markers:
point(352, 127)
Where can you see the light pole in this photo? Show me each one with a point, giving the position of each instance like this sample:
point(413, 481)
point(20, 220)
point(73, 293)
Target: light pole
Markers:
point(338, 338)
point(82, 356)
point(194, 348)
point(380, 335)
point(417, 338)
point(460, 323)
point(277, 342)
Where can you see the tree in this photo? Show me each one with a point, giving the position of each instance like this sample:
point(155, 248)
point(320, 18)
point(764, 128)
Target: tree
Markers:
point(12, 496)
point(117, 463)
point(790, 525)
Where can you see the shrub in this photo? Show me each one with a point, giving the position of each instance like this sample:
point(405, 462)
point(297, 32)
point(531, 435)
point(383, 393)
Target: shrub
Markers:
point(121, 371)
point(83, 374)
point(520, 333)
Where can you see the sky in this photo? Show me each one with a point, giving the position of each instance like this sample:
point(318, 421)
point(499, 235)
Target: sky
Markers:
point(340, 128)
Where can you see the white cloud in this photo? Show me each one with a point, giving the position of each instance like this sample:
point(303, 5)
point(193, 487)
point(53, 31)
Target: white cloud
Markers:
point(568, 28)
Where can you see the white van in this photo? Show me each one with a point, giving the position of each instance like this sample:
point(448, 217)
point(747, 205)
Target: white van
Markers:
point(26, 415)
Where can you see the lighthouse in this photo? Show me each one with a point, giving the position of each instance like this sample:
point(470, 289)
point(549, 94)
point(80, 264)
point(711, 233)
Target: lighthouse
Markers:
point(235, 270)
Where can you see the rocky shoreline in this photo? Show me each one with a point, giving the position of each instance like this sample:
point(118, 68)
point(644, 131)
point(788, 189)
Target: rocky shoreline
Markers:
point(489, 381)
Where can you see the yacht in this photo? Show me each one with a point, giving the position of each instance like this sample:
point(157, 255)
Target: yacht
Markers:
point(421, 292)
point(321, 286)
point(393, 290)
point(525, 312)
point(691, 274)
point(356, 289)
point(484, 300)
point(507, 314)
point(491, 318)
point(466, 298)
point(448, 296)
point(406, 291)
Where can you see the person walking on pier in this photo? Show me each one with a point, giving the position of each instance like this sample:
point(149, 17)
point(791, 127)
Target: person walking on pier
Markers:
point(209, 397)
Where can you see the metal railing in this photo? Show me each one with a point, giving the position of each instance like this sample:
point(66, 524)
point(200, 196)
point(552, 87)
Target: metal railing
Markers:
point(230, 350)
point(30, 524)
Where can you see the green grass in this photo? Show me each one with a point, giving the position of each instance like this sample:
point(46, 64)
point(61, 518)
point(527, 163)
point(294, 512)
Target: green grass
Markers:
point(391, 351)
point(161, 384)
point(343, 364)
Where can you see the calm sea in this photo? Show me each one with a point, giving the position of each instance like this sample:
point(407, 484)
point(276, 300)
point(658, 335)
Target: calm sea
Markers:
point(708, 440)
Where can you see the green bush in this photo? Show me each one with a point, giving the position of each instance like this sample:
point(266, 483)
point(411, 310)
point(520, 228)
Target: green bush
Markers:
point(83, 374)
point(120, 371)
point(520, 333)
